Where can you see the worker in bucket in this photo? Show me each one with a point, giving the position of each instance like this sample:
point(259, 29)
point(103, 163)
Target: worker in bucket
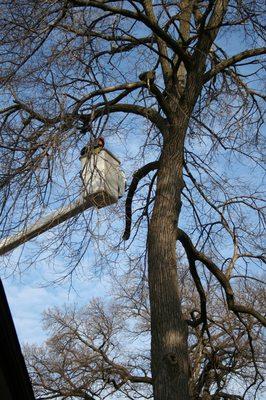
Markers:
point(94, 147)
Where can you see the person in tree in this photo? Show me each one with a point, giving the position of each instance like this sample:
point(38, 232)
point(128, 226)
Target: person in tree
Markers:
point(93, 147)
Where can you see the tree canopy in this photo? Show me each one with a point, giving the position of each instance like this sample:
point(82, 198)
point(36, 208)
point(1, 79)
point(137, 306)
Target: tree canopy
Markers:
point(176, 90)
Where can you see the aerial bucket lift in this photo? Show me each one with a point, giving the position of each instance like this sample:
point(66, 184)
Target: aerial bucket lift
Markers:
point(103, 183)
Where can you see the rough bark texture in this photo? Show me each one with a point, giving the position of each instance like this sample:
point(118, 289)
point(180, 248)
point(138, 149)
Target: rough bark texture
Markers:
point(170, 366)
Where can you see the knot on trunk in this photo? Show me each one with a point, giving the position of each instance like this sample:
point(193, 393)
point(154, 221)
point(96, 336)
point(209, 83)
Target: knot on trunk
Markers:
point(171, 358)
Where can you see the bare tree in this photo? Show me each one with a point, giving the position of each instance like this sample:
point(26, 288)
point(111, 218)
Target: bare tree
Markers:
point(188, 74)
point(102, 350)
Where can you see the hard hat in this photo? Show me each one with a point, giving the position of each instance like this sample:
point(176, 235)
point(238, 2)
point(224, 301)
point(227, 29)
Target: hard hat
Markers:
point(101, 139)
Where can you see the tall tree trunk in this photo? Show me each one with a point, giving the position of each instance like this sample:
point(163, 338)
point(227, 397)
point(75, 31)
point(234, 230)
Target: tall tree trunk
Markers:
point(169, 351)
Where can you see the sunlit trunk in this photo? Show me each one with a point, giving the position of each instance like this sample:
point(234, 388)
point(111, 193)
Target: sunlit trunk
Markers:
point(169, 350)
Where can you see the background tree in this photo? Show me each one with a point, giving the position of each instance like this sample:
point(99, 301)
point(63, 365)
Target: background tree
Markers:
point(187, 73)
point(101, 351)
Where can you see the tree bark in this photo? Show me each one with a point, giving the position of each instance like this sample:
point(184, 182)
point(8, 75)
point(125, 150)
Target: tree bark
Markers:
point(169, 351)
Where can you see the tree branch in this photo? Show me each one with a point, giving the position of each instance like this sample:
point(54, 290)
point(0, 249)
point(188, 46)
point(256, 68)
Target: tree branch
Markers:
point(231, 61)
point(148, 7)
point(184, 56)
point(219, 275)
point(208, 33)
point(137, 176)
point(148, 113)
point(226, 396)
point(201, 292)
point(126, 86)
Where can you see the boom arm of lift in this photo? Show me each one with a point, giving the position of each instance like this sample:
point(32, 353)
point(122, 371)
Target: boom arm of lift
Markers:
point(44, 224)
point(103, 184)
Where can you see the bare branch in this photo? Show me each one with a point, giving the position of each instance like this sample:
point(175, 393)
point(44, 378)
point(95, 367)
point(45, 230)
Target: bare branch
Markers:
point(137, 176)
point(221, 66)
point(220, 276)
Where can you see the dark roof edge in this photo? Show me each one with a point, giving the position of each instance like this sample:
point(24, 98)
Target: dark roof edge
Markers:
point(12, 361)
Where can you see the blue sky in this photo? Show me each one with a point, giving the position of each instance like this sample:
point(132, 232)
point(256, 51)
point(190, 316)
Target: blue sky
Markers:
point(28, 299)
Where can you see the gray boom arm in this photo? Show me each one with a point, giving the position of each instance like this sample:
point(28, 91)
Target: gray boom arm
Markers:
point(44, 224)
